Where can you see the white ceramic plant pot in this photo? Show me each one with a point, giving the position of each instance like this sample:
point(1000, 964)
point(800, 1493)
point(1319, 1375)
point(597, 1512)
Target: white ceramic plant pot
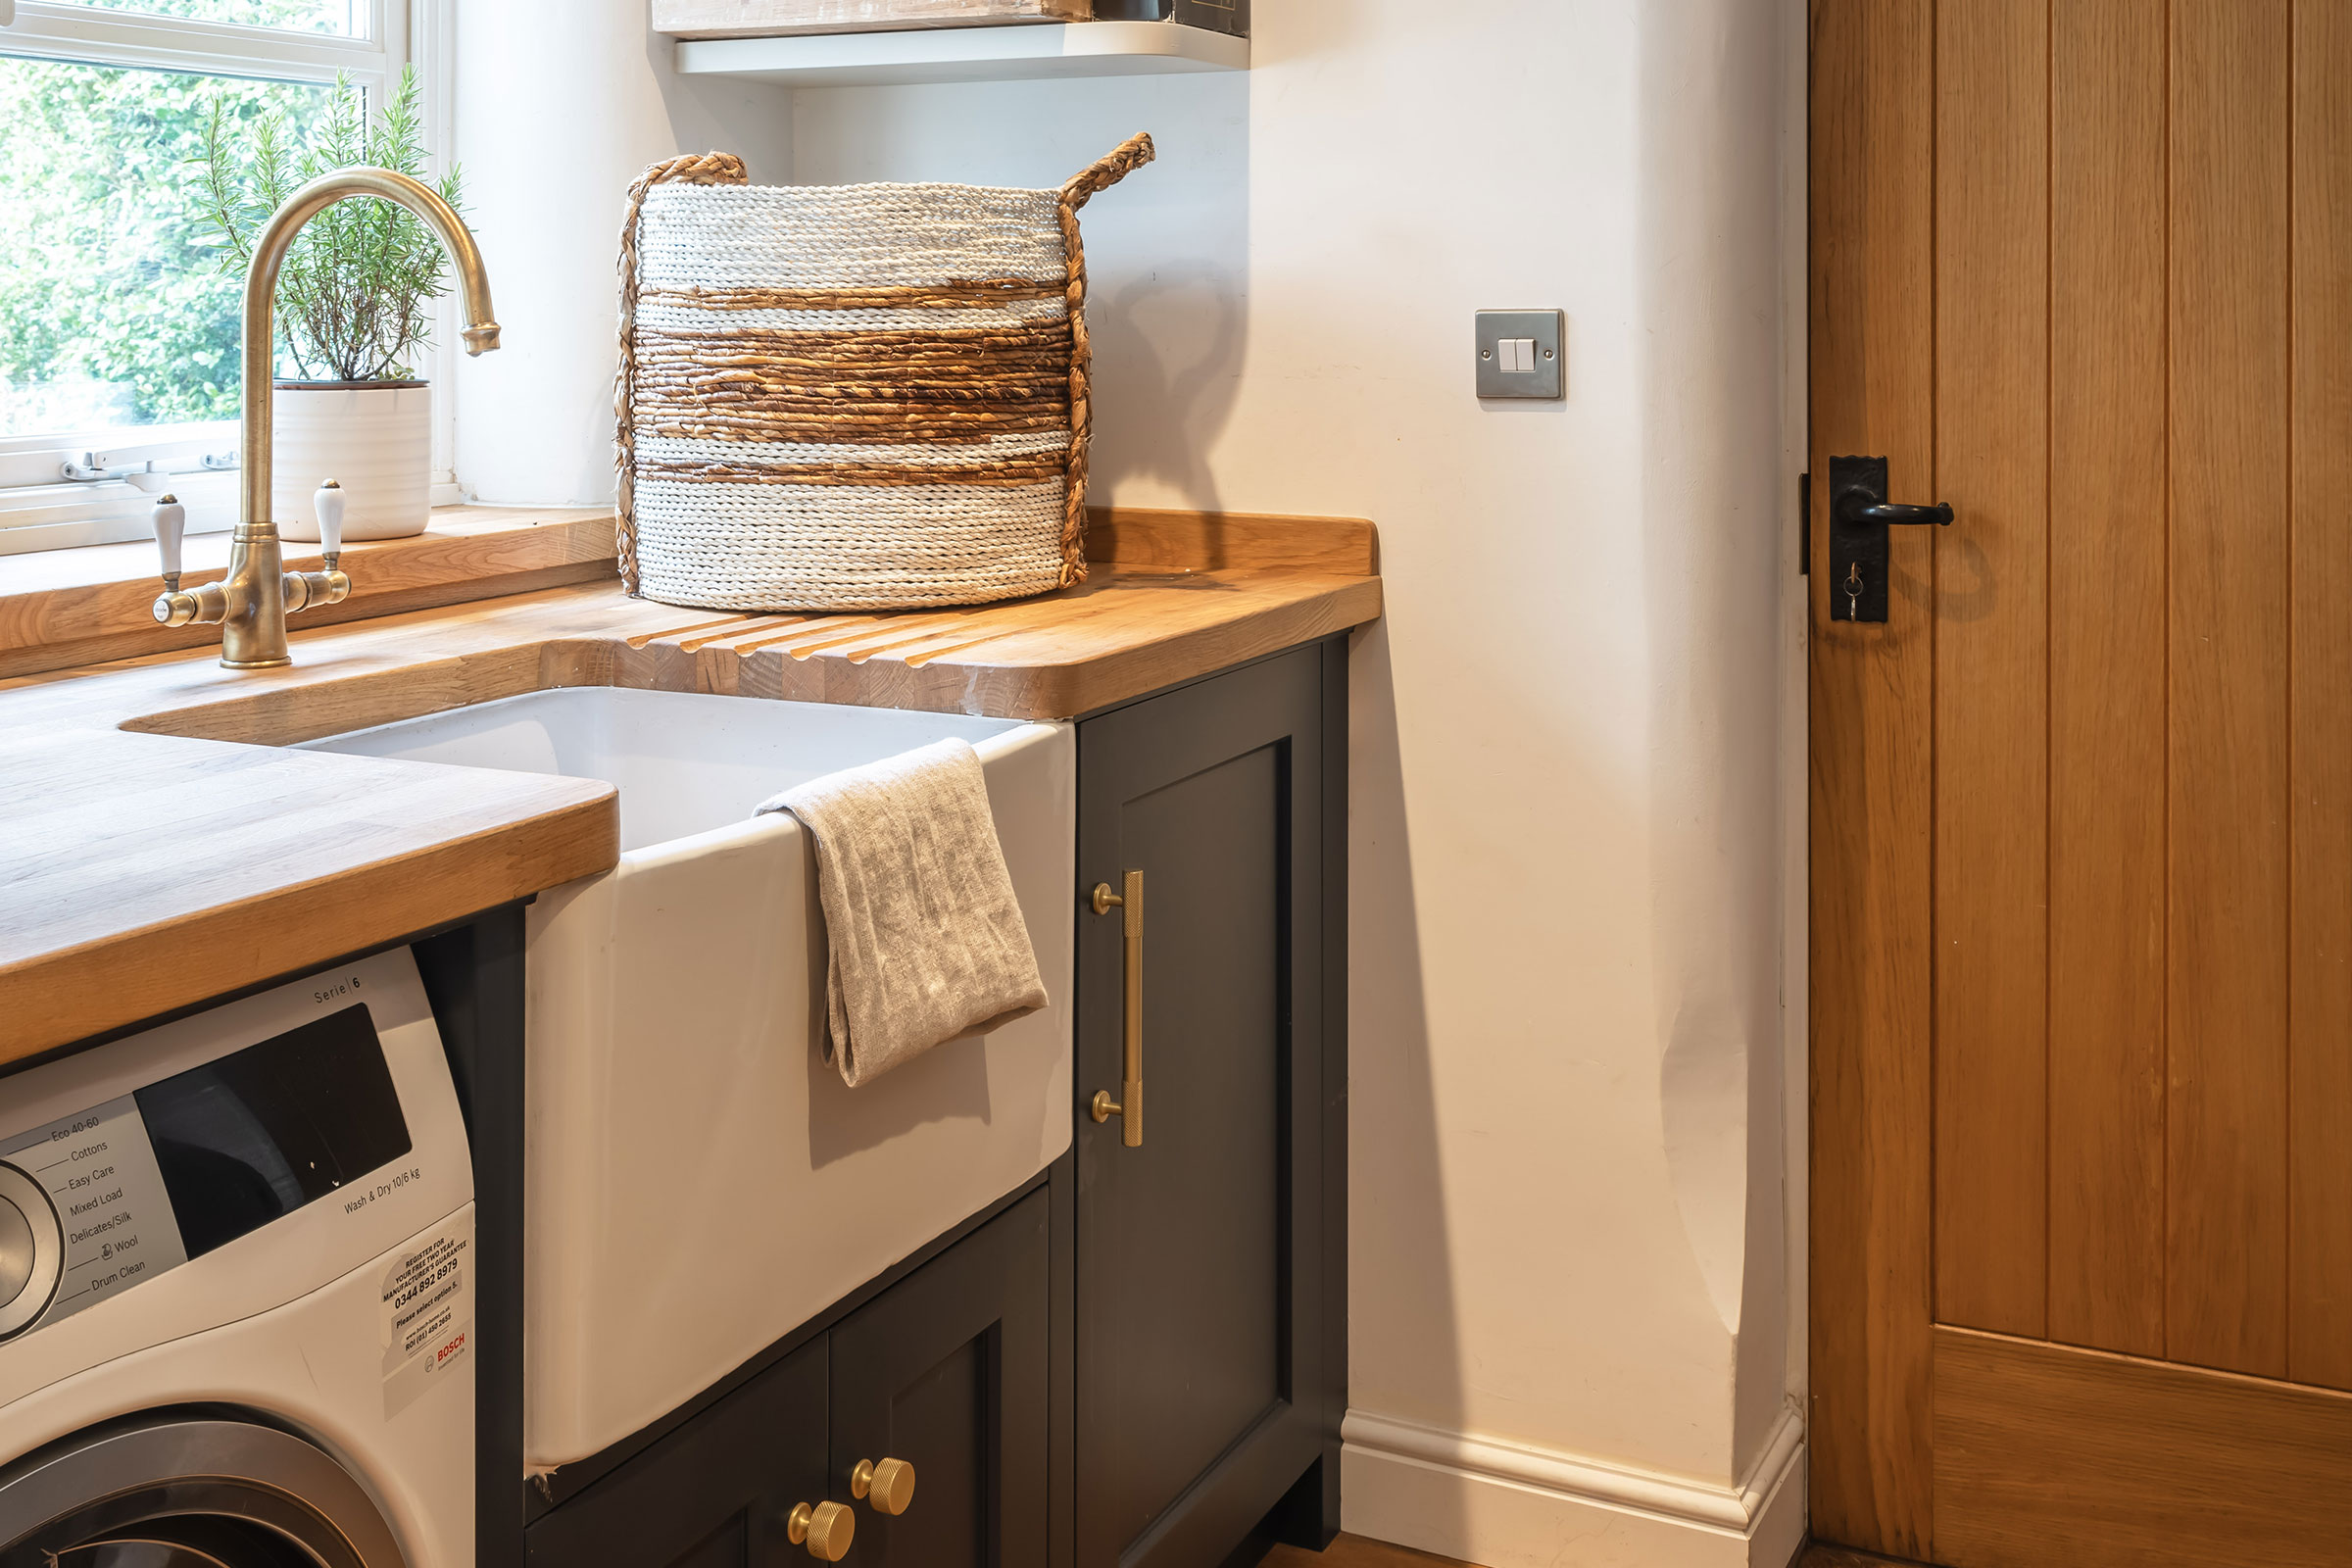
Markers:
point(375, 438)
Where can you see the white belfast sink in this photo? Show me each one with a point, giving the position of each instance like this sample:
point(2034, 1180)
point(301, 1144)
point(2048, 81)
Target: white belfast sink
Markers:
point(700, 1180)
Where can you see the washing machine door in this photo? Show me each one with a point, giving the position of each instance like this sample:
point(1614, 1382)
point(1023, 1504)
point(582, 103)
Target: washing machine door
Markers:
point(189, 1491)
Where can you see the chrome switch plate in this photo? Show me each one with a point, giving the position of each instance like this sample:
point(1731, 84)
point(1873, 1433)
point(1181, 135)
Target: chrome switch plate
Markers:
point(1520, 354)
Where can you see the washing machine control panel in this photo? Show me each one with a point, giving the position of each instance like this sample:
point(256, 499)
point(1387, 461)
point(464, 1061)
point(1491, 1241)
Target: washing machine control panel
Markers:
point(95, 1212)
point(96, 1202)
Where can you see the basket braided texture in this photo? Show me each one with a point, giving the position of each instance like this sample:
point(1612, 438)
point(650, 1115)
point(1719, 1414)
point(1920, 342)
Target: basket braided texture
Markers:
point(853, 397)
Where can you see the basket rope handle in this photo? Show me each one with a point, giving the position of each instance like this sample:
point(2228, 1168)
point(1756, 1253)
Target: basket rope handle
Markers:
point(1108, 169)
point(694, 169)
point(1100, 174)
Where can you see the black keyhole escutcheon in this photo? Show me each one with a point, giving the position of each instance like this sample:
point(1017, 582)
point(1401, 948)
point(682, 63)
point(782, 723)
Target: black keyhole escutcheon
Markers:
point(1859, 517)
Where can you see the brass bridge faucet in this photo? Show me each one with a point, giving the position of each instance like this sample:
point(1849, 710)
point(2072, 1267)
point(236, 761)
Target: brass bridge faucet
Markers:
point(251, 604)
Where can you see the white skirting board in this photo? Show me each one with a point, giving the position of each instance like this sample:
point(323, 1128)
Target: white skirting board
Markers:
point(1505, 1505)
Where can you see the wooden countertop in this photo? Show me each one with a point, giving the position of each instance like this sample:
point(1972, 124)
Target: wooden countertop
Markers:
point(161, 850)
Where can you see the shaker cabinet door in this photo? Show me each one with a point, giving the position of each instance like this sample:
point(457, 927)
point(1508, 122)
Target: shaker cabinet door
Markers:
point(945, 1374)
point(1206, 1365)
point(717, 1493)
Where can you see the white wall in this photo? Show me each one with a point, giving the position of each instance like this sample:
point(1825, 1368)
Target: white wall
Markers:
point(1568, 1239)
point(557, 105)
point(1570, 1267)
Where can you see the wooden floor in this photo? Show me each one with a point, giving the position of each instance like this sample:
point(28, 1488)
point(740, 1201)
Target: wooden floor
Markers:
point(1820, 1556)
point(1354, 1551)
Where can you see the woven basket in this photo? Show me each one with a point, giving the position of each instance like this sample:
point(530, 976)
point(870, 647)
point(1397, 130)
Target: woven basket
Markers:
point(853, 397)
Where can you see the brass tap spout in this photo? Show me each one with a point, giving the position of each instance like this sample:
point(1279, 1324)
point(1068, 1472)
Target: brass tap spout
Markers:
point(252, 602)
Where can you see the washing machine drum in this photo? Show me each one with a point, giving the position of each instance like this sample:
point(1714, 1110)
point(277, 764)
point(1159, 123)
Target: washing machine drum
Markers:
point(189, 1491)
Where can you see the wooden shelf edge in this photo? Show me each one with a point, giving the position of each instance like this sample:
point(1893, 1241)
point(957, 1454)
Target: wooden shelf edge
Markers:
point(1033, 51)
point(783, 19)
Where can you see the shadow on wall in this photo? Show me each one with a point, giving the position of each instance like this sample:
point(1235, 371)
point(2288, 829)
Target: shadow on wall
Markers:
point(1166, 250)
point(1396, 1200)
point(1170, 341)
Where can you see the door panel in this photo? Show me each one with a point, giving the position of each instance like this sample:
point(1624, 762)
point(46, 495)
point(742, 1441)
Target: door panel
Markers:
point(2107, 676)
point(943, 1415)
point(1199, 1261)
point(716, 1493)
point(947, 1370)
point(2082, 808)
point(1202, 1395)
point(1990, 604)
point(2319, 922)
point(2226, 972)
point(723, 1548)
point(2044, 1452)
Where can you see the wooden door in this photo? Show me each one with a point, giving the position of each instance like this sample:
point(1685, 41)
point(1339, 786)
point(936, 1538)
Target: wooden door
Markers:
point(716, 1493)
point(2081, 806)
point(1208, 1383)
point(947, 1371)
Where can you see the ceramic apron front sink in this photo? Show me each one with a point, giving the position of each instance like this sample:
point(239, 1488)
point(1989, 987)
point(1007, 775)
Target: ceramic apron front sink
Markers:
point(700, 1180)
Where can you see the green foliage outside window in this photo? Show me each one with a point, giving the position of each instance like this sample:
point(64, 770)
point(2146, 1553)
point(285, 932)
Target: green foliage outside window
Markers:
point(115, 305)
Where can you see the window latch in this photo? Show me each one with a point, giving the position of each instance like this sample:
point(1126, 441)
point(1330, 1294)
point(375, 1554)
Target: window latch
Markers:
point(93, 468)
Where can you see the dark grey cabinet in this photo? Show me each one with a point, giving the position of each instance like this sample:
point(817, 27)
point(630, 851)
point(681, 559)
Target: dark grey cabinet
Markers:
point(1210, 1277)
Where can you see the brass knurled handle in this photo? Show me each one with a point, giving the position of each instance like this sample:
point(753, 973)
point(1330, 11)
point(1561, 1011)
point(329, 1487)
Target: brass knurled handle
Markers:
point(1128, 1106)
point(826, 1529)
point(887, 1487)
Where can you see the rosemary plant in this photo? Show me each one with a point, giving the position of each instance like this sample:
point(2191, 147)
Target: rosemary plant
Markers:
point(352, 295)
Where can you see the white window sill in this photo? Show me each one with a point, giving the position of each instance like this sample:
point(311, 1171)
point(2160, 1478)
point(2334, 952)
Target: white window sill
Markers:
point(42, 518)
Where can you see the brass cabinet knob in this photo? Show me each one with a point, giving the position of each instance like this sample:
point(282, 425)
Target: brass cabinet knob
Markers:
point(825, 1528)
point(887, 1486)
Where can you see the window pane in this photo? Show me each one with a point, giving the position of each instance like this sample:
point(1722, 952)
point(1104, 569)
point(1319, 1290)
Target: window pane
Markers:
point(345, 18)
point(114, 307)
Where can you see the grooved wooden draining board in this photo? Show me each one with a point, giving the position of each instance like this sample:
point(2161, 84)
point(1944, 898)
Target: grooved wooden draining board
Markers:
point(152, 860)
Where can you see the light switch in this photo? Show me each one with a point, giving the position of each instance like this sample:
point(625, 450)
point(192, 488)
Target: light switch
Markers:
point(1519, 354)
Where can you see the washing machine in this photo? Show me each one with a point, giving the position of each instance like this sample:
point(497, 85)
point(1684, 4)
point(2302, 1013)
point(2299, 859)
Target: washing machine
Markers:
point(237, 1283)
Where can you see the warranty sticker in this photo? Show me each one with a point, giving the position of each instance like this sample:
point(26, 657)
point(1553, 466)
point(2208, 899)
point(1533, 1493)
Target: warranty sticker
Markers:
point(427, 1311)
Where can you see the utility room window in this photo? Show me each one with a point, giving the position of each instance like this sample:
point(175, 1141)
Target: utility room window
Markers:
point(119, 323)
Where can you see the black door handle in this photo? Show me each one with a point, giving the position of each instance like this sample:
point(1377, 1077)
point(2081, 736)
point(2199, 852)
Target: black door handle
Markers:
point(1856, 507)
point(1860, 516)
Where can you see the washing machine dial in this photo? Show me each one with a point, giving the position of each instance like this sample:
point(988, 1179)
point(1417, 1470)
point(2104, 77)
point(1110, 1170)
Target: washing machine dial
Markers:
point(32, 1249)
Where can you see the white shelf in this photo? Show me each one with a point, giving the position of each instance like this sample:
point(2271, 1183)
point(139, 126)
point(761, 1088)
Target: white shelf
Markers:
point(1017, 53)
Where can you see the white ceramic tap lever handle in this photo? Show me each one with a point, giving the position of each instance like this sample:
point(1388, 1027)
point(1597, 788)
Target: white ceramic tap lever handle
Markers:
point(170, 522)
point(327, 502)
